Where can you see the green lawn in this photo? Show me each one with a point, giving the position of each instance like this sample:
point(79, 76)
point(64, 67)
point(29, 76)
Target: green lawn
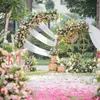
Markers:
point(39, 72)
point(43, 61)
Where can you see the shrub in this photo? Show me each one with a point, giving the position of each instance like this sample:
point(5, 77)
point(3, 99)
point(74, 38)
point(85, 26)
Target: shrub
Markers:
point(77, 64)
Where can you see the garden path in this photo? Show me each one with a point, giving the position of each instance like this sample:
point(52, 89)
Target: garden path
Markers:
point(42, 67)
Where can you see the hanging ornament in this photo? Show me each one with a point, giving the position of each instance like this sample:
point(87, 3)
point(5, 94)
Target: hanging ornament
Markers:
point(72, 38)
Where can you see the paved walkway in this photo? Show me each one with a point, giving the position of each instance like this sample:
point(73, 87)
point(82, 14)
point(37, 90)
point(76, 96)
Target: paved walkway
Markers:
point(42, 67)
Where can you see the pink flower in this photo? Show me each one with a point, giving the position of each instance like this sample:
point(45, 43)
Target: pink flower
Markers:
point(10, 86)
point(16, 32)
point(1, 98)
point(4, 90)
point(13, 97)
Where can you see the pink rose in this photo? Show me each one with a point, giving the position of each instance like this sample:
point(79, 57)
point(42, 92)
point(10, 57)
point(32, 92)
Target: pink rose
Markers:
point(98, 54)
point(4, 90)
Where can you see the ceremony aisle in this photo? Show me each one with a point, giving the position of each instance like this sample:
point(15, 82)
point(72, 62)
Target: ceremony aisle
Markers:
point(62, 86)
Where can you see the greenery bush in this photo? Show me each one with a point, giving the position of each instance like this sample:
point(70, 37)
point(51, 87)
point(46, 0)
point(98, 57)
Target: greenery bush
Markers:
point(8, 47)
point(31, 63)
point(14, 69)
point(88, 55)
point(79, 65)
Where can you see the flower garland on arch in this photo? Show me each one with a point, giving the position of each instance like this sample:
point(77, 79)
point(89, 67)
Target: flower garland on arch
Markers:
point(34, 20)
point(71, 29)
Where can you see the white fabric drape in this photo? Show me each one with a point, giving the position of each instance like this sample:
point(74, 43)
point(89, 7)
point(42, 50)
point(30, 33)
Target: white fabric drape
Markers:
point(95, 36)
point(47, 30)
point(33, 48)
point(42, 38)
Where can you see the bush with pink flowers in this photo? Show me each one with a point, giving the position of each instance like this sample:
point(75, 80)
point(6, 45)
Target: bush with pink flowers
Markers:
point(11, 80)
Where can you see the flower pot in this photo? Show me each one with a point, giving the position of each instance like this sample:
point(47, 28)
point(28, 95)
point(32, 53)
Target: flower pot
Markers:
point(52, 66)
point(60, 69)
point(54, 58)
point(53, 63)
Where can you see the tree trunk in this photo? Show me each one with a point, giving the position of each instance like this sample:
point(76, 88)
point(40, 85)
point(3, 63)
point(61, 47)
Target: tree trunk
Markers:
point(7, 22)
point(49, 24)
point(29, 4)
point(98, 14)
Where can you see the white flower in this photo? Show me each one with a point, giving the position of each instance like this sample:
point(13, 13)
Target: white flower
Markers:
point(98, 65)
point(21, 83)
point(5, 53)
point(11, 76)
point(24, 93)
point(6, 76)
point(9, 86)
point(90, 67)
point(16, 91)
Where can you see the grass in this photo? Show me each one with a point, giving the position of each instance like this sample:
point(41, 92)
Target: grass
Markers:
point(43, 61)
point(38, 72)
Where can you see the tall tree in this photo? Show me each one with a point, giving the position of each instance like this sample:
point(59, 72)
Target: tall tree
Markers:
point(49, 4)
point(15, 9)
point(98, 14)
point(29, 4)
point(86, 8)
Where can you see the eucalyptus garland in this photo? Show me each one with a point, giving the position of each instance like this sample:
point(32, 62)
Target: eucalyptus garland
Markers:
point(33, 20)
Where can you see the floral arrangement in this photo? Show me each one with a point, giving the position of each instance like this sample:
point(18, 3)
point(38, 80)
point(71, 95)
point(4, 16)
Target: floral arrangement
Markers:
point(31, 63)
point(53, 51)
point(11, 80)
point(80, 65)
point(34, 20)
point(62, 62)
point(71, 29)
point(77, 64)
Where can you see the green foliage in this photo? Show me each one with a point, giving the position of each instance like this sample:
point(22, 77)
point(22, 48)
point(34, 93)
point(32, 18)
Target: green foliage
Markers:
point(33, 68)
point(25, 56)
point(49, 5)
point(14, 69)
point(7, 47)
point(53, 51)
point(18, 7)
point(82, 7)
point(43, 61)
point(83, 43)
point(39, 1)
point(2, 35)
point(88, 55)
point(79, 65)
point(31, 63)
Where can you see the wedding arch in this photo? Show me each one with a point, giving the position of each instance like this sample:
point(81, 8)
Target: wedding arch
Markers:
point(69, 33)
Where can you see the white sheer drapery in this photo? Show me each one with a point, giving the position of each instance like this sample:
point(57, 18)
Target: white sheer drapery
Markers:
point(42, 38)
point(95, 36)
point(47, 30)
point(33, 48)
